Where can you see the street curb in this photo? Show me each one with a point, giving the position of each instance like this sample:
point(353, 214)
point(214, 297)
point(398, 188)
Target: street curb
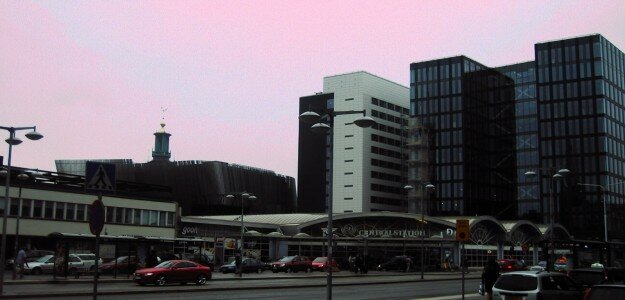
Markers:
point(216, 289)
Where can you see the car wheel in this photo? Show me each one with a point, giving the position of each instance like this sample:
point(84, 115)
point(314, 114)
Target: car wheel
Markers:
point(289, 270)
point(141, 283)
point(183, 283)
point(161, 280)
point(201, 279)
point(308, 270)
point(275, 271)
point(91, 268)
point(36, 271)
point(72, 271)
point(260, 270)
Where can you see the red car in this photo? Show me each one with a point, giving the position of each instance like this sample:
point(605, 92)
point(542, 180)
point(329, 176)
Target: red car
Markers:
point(181, 271)
point(292, 264)
point(510, 265)
point(321, 264)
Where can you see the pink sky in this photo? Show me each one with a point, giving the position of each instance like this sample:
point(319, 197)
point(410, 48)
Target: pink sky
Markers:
point(92, 75)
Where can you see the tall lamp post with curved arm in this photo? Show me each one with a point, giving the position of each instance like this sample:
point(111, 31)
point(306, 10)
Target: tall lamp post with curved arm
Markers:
point(244, 196)
point(12, 141)
point(557, 176)
point(428, 188)
point(603, 189)
point(310, 117)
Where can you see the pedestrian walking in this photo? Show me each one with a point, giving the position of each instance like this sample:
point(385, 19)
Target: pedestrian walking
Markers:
point(489, 276)
point(20, 261)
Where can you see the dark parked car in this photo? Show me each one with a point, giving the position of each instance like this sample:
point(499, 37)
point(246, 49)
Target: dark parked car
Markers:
point(181, 271)
point(510, 265)
point(292, 264)
point(606, 291)
point(398, 263)
point(591, 276)
point(120, 265)
point(249, 265)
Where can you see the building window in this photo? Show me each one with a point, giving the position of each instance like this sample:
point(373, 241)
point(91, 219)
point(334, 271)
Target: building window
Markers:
point(37, 209)
point(110, 214)
point(13, 206)
point(128, 214)
point(119, 216)
point(80, 212)
point(48, 209)
point(26, 205)
point(59, 209)
point(170, 219)
point(162, 218)
point(153, 218)
point(70, 212)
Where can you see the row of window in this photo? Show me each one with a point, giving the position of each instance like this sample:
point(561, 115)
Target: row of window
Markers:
point(571, 146)
point(386, 189)
point(55, 210)
point(569, 71)
point(385, 164)
point(386, 152)
point(521, 77)
point(385, 140)
point(134, 216)
point(435, 89)
point(445, 104)
point(387, 129)
point(387, 105)
point(570, 90)
point(386, 176)
point(386, 201)
point(561, 54)
point(575, 127)
point(388, 117)
point(571, 108)
point(431, 73)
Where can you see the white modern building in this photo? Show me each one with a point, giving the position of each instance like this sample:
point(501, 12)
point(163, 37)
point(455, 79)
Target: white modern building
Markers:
point(365, 163)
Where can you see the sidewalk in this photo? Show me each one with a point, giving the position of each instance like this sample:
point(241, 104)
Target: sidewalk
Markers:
point(109, 286)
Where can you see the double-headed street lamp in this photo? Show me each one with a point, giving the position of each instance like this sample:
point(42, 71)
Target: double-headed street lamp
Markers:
point(557, 176)
point(244, 196)
point(12, 141)
point(310, 117)
point(603, 189)
point(428, 188)
point(21, 177)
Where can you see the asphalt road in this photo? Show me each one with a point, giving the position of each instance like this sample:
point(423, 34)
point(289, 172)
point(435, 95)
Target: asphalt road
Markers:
point(428, 290)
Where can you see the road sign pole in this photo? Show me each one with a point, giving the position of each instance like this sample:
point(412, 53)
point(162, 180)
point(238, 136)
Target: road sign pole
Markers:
point(463, 264)
point(97, 258)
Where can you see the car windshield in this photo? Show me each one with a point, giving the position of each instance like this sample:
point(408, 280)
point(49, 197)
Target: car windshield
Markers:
point(43, 259)
point(287, 258)
point(516, 283)
point(121, 259)
point(165, 265)
point(320, 259)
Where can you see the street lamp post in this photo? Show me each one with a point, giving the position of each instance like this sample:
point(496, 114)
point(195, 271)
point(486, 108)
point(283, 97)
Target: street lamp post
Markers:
point(21, 177)
point(428, 189)
point(310, 117)
point(12, 141)
point(557, 176)
point(244, 196)
point(603, 189)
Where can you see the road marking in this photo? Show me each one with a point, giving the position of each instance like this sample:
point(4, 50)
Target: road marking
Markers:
point(459, 296)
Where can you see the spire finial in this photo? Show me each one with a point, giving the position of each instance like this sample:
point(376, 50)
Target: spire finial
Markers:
point(163, 110)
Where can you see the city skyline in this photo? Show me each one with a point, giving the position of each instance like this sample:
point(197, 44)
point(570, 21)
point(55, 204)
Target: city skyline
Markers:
point(93, 76)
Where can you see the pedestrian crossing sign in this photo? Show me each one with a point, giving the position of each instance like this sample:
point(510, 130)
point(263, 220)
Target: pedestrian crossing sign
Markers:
point(100, 177)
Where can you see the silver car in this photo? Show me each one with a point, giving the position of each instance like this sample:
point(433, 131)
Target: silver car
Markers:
point(533, 285)
point(89, 261)
point(45, 264)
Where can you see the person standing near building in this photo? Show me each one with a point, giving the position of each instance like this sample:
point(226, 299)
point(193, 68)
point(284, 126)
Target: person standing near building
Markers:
point(20, 261)
point(489, 276)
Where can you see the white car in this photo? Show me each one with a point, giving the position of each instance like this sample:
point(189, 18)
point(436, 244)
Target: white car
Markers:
point(534, 285)
point(45, 264)
point(89, 260)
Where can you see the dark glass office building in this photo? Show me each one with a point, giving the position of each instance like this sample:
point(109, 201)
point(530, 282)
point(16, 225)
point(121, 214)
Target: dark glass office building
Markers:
point(468, 110)
point(564, 110)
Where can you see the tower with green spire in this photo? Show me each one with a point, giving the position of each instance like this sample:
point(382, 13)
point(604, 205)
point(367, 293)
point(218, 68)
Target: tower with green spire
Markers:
point(161, 144)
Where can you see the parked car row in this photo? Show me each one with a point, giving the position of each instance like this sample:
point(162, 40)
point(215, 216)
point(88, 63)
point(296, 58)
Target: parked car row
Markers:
point(76, 263)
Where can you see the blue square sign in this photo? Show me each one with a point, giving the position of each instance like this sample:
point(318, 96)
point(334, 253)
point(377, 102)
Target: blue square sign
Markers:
point(100, 177)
